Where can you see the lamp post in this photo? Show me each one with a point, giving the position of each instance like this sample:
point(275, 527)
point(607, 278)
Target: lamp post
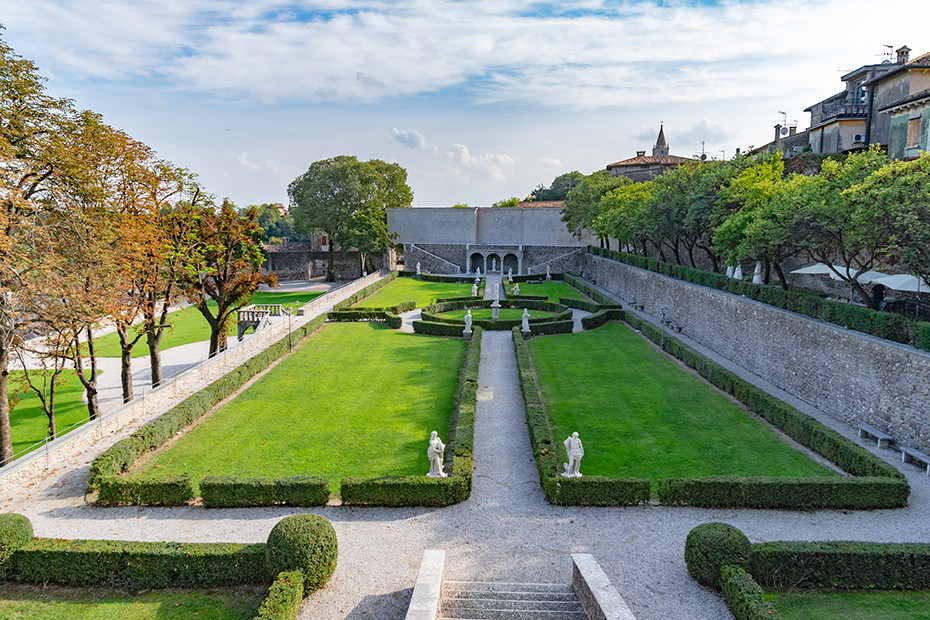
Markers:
point(662, 328)
point(288, 312)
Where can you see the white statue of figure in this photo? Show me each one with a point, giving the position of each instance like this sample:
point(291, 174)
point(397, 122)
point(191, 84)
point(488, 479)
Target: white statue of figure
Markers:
point(477, 272)
point(434, 452)
point(497, 291)
point(474, 289)
point(418, 268)
point(526, 320)
point(548, 275)
point(510, 272)
point(467, 322)
point(575, 451)
point(516, 288)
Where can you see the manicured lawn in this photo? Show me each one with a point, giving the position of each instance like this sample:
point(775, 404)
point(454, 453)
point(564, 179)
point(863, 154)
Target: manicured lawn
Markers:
point(357, 399)
point(28, 422)
point(484, 314)
point(54, 603)
point(640, 415)
point(830, 605)
point(188, 325)
point(554, 289)
point(411, 289)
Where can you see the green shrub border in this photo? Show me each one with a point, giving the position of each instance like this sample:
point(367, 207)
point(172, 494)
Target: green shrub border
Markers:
point(850, 565)
point(235, 492)
point(123, 454)
point(875, 485)
point(885, 325)
point(151, 565)
point(432, 313)
point(421, 490)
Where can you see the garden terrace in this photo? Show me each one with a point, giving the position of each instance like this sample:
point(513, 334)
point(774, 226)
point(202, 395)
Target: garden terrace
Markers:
point(421, 292)
point(453, 313)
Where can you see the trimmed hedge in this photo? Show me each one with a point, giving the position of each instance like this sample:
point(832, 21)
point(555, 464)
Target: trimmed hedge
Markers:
point(145, 490)
point(719, 556)
point(121, 456)
point(233, 492)
point(889, 326)
point(421, 490)
point(387, 315)
point(305, 543)
point(284, 597)
point(433, 328)
point(552, 327)
point(600, 317)
point(15, 531)
point(138, 565)
point(594, 294)
point(744, 596)
point(432, 314)
point(585, 491)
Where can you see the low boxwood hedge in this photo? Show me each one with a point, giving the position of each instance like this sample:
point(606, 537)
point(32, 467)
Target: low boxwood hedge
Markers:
point(433, 328)
point(591, 292)
point(145, 490)
point(719, 556)
point(433, 314)
point(15, 531)
point(885, 325)
point(284, 597)
point(305, 543)
point(421, 490)
point(232, 492)
point(389, 316)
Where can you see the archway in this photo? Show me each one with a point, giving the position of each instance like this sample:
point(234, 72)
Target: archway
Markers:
point(493, 262)
point(511, 262)
point(476, 260)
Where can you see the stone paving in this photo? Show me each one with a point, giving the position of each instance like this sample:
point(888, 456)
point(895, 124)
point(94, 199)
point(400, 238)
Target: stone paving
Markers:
point(505, 532)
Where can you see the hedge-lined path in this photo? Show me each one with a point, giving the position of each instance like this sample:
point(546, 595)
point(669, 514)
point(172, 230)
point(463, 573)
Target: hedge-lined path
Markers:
point(506, 531)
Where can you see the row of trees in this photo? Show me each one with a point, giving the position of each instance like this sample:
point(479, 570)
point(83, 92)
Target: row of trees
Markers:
point(94, 226)
point(858, 212)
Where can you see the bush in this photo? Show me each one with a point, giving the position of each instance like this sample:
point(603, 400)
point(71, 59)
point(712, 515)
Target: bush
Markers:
point(15, 531)
point(230, 492)
point(711, 546)
point(138, 565)
point(552, 327)
point(850, 565)
point(602, 316)
point(438, 329)
point(284, 597)
point(599, 491)
point(305, 543)
point(145, 491)
point(744, 596)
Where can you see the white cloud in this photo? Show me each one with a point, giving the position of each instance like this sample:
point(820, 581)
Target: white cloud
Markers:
point(243, 159)
point(492, 164)
point(550, 162)
point(413, 139)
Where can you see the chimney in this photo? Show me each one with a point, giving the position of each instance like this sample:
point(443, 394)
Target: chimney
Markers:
point(777, 132)
point(640, 153)
point(737, 152)
point(903, 54)
point(792, 129)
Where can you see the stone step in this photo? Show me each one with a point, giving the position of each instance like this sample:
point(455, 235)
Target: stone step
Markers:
point(509, 601)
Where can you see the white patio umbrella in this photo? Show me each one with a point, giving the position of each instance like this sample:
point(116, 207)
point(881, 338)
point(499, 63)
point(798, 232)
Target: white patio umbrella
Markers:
point(822, 268)
point(738, 273)
point(905, 282)
point(757, 274)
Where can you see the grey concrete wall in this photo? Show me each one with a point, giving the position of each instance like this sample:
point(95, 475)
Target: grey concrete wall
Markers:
point(487, 225)
point(847, 375)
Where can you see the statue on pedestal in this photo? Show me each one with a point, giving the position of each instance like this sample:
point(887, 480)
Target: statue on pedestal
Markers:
point(434, 452)
point(474, 289)
point(467, 322)
point(418, 268)
point(516, 288)
point(526, 321)
point(575, 451)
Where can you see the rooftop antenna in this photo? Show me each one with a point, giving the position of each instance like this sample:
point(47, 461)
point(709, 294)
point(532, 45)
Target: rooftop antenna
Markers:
point(703, 155)
point(723, 155)
point(784, 122)
point(889, 53)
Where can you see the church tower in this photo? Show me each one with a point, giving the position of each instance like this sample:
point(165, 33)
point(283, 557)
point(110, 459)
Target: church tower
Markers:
point(661, 147)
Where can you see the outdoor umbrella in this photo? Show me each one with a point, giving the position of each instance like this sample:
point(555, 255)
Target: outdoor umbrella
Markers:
point(905, 282)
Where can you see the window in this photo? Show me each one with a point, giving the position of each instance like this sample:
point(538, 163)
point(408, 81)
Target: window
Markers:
point(913, 133)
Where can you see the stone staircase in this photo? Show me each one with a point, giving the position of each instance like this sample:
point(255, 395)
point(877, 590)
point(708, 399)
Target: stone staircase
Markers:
point(509, 601)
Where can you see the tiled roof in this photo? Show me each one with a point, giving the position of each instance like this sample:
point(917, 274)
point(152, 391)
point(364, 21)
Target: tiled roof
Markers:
point(908, 99)
point(651, 160)
point(552, 204)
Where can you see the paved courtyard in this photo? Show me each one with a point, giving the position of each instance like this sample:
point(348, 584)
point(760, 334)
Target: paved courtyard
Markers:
point(506, 531)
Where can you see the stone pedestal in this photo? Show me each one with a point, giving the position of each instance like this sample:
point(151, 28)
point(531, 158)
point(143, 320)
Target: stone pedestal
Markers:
point(495, 311)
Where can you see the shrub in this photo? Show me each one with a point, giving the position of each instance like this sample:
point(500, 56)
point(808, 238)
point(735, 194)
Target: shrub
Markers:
point(230, 491)
point(711, 546)
point(744, 596)
point(138, 565)
point(284, 597)
point(305, 543)
point(600, 491)
point(15, 531)
point(552, 327)
point(602, 316)
point(437, 329)
point(144, 490)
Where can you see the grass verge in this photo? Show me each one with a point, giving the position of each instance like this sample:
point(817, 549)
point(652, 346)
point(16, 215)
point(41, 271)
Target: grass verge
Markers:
point(29, 424)
point(553, 289)
point(839, 605)
point(410, 289)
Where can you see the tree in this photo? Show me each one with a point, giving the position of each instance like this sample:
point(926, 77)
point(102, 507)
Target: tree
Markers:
point(559, 187)
point(624, 215)
point(276, 228)
point(507, 202)
point(227, 268)
point(583, 202)
point(346, 200)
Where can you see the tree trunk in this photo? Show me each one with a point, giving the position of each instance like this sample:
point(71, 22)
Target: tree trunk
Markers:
point(781, 275)
point(6, 438)
point(90, 384)
point(869, 302)
point(125, 361)
point(330, 269)
point(153, 339)
point(50, 409)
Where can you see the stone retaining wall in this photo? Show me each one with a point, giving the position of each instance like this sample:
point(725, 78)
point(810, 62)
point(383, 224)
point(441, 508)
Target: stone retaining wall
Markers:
point(850, 376)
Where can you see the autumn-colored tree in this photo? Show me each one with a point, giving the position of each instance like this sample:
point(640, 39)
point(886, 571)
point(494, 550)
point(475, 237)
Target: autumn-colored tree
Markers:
point(227, 269)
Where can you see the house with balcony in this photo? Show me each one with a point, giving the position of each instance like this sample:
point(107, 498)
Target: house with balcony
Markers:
point(901, 98)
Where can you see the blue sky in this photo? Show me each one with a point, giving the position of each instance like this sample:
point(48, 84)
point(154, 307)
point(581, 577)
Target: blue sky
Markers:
point(479, 100)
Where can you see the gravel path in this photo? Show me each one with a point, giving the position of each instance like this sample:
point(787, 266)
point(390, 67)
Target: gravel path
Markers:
point(505, 532)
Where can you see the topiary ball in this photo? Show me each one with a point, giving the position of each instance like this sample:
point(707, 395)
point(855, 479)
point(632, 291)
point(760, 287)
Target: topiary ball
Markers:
point(711, 546)
point(15, 531)
point(304, 542)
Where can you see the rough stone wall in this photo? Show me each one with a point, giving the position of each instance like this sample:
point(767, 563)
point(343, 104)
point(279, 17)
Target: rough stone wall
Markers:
point(564, 259)
point(567, 259)
point(426, 253)
point(847, 375)
point(303, 264)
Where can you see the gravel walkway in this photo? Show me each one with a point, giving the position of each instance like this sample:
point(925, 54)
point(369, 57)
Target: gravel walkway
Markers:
point(505, 532)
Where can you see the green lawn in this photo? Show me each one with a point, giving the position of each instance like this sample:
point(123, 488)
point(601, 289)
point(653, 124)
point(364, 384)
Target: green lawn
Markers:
point(640, 415)
point(29, 424)
point(554, 289)
point(55, 603)
point(832, 605)
point(357, 399)
point(188, 325)
point(411, 289)
point(484, 314)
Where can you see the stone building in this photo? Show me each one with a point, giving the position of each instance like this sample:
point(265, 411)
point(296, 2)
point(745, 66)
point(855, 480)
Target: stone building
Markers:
point(901, 99)
point(643, 167)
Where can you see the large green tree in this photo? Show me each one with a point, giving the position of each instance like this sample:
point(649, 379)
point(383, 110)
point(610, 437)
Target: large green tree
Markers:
point(346, 200)
point(583, 201)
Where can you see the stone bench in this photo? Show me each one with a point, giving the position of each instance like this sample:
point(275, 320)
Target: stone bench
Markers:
point(910, 454)
point(868, 430)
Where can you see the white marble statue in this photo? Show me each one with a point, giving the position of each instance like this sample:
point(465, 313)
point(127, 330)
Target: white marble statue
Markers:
point(418, 268)
point(526, 320)
point(497, 291)
point(434, 452)
point(474, 289)
point(516, 288)
point(477, 272)
point(575, 451)
point(510, 273)
point(493, 264)
point(467, 322)
point(548, 275)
